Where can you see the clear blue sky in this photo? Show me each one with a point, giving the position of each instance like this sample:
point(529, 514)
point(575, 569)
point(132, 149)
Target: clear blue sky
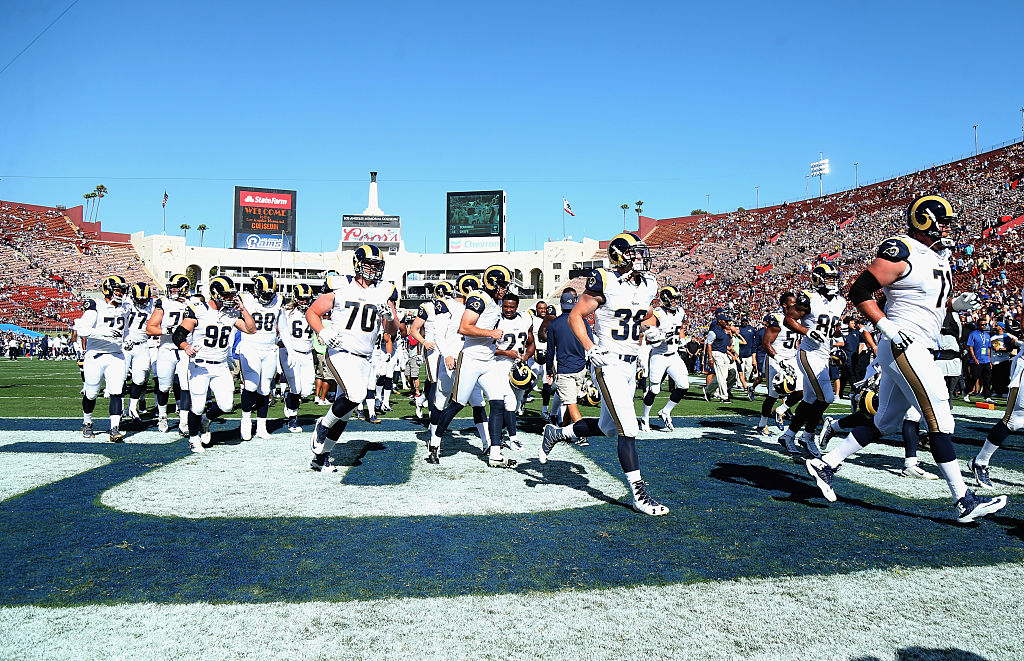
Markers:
point(604, 103)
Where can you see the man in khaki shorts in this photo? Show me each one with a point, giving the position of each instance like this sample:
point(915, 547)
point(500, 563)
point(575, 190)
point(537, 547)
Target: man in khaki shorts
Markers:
point(567, 360)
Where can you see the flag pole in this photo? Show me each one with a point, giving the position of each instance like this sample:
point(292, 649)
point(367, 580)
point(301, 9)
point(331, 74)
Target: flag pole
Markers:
point(563, 218)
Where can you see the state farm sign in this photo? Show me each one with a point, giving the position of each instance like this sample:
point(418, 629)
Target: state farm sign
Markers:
point(248, 198)
point(381, 231)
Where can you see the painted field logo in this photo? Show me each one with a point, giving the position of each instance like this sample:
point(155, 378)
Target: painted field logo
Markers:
point(264, 242)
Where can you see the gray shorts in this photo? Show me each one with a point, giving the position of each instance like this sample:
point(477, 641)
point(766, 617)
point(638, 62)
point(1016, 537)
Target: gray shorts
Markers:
point(413, 365)
point(569, 386)
point(320, 367)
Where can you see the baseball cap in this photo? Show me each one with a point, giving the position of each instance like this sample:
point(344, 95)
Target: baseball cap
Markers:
point(568, 300)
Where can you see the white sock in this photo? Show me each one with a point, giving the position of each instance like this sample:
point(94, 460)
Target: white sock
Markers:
point(846, 449)
point(133, 405)
point(115, 421)
point(329, 419)
point(985, 454)
point(647, 413)
point(288, 413)
point(669, 407)
point(631, 477)
point(512, 440)
point(387, 397)
point(435, 441)
point(834, 425)
point(432, 427)
point(481, 430)
point(370, 410)
point(161, 410)
point(86, 417)
point(380, 392)
point(568, 432)
point(789, 433)
point(955, 481)
point(763, 422)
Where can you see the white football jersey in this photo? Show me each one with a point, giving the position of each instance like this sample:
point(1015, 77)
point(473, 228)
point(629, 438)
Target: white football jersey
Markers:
point(672, 324)
point(436, 318)
point(617, 320)
point(356, 314)
point(917, 300)
point(449, 339)
point(490, 312)
point(294, 330)
point(173, 313)
point(823, 317)
point(516, 332)
point(787, 342)
point(536, 322)
point(97, 314)
point(213, 332)
point(136, 319)
point(265, 318)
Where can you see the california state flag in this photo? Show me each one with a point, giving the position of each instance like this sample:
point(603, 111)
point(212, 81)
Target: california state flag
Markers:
point(566, 208)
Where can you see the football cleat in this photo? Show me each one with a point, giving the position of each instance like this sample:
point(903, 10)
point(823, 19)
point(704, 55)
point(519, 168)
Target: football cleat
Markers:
point(321, 463)
point(116, 435)
point(705, 391)
point(643, 503)
point(196, 444)
point(134, 416)
point(917, 473)
point(809, 446)
point(319, 436)
point(501, 462)
point(161, 424)
point(87, 431)
point(261, 429)
point(645, 425)
point(552, 435)
point(826, 433)
point(294, 426)
point(788, 443)
point(973, 506)
point(822, 474)
point(245, 427)
point(980, 472)
point(666, 420)
point(515, 445)
point(434, 455)
point(750, 393)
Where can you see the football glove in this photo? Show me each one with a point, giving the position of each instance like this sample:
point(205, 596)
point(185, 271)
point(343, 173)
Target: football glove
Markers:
point(598, 357)
point(654, 335)
point(385, 311)
point(892, 332)
point(329, 336)
point(966, 301)
point(107, 332)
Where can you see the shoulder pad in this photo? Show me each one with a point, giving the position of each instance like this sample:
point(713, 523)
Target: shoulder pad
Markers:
point(189, 313)
point(89, 304)
point(440, 307)
point(773, 320)
point(597, 281)
point(803, 299)
point(476, 304)
point(894, 249)
point(423, 313)
point(158, 303)
point(394, 293)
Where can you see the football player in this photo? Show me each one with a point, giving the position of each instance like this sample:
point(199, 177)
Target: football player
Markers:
point(257, 354)
point(663, 332)
point(357, 304)
point(450, 343)
point(815, 317)
point(784, 380)
point(204, 335)
point(102, 326)
point(296, 352)
point(138, 309)
point(1012, 421)
point(171, 363)
point(913, 270)
point(515, 347)
point(476, 366)
point(538, 363)
point(431, 322)
point(620, 300)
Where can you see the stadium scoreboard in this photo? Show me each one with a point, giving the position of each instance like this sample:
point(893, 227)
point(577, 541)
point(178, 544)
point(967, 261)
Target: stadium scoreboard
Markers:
point(264, 218)
point(476, 221)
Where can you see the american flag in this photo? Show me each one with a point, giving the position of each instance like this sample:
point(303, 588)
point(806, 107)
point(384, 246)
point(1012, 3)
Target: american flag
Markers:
point(165, 200)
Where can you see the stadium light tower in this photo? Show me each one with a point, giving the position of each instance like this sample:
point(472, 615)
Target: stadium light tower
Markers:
point(709, 204)
point(856, 174)
point(975, 139)
point(757, 197)
point(819, 169)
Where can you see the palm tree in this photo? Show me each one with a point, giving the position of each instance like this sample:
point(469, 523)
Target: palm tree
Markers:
point(101, 192)
point(624, 207)
point(639, 209)
point(185, 227)
point(88, 205)
point(202, 228)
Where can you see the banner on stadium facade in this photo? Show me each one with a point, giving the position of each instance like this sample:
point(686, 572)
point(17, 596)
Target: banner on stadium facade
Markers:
point(385, 232)
point(264, 218)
